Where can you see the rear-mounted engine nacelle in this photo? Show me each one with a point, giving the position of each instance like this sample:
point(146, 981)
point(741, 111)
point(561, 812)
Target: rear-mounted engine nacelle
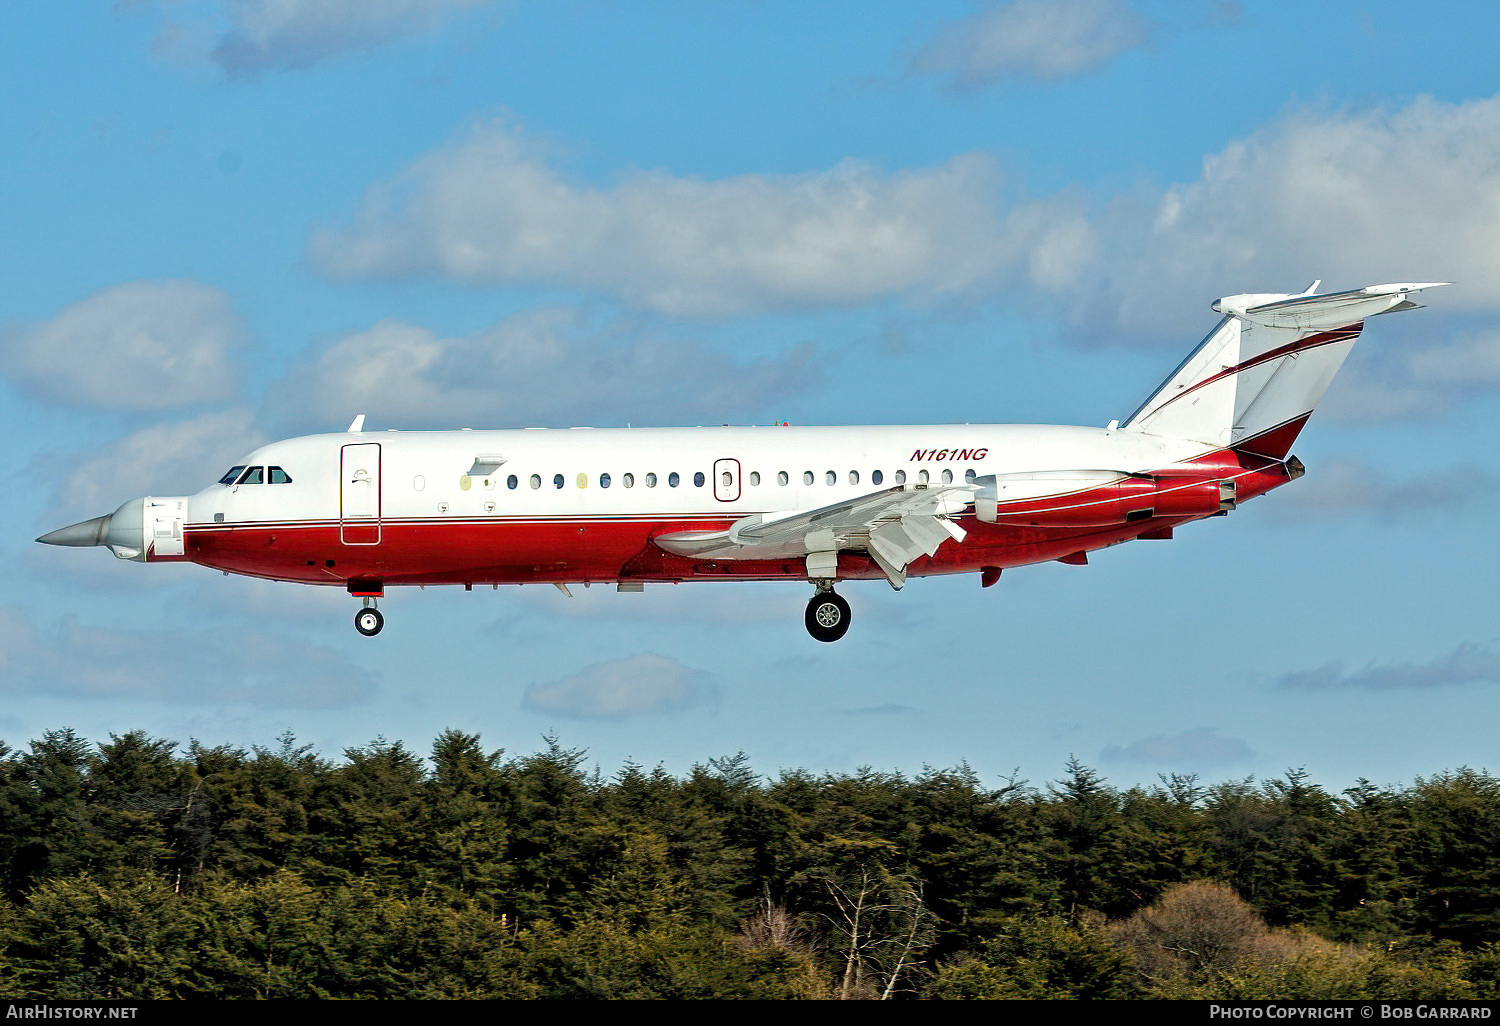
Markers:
point(1096, 498)
point(1189, 497)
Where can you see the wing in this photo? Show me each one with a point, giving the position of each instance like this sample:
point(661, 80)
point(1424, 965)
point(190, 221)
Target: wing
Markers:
point(894, 526)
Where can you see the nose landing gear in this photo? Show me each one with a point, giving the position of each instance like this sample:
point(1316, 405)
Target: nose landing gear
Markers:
point(827, 616)
point(368, 620)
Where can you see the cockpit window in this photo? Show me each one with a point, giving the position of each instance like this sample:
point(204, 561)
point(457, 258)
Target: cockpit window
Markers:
point(254, 475)
point(279, 476)
point(234, 473)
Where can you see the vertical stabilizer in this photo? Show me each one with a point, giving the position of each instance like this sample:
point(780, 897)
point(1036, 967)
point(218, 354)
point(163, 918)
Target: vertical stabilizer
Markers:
point(1254, 380)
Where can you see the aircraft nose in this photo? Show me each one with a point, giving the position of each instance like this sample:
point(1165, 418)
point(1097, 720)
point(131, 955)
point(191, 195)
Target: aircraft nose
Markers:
point(123, 532)
point(89, 532)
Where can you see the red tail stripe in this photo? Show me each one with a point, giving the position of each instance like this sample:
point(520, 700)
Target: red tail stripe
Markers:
point(1326, 338)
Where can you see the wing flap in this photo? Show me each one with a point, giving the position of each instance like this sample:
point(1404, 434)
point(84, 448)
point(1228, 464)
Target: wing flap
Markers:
point(897, 544)
point(910, 519)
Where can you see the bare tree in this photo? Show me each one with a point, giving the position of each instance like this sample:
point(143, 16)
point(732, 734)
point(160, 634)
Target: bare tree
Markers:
point(884, 927)
point(1199, 927)
point(772, 926)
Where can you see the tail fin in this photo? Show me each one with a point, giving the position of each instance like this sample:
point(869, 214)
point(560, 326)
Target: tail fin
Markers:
point(1253, 382)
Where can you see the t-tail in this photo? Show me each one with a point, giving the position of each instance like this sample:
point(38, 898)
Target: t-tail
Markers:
point(1254, 381)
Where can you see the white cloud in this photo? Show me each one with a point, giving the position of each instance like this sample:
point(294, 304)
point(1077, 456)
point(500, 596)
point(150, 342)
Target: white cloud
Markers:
point(164, 459)
point(267, 34)
point(1031, 39)
point(637, 685)
point(1353, 197)
point(1419, 375)
point(143, 345)
point(1199, 747)
point(1467, 664)
point(489, 209)
point(539, 367)
point(181, 667)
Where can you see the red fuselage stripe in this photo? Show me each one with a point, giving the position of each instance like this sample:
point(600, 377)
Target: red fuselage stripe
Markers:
point(516, 550)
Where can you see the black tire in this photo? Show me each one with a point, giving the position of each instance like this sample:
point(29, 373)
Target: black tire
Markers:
point(368, 622)
point(827, 616)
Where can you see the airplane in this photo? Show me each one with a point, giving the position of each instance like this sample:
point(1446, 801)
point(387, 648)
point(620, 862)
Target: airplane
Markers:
point(628, 506)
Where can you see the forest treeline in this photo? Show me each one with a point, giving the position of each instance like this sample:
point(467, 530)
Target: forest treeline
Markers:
point(137, 868)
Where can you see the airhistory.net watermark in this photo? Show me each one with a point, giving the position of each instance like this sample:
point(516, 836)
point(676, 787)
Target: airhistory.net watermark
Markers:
point(69, 1012)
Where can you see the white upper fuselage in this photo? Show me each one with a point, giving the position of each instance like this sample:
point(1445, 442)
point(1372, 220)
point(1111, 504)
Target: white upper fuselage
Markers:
point(426, 474)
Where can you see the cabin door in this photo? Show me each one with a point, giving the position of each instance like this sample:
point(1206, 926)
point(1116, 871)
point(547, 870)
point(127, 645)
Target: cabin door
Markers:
point(359, 494)
point(726, 480)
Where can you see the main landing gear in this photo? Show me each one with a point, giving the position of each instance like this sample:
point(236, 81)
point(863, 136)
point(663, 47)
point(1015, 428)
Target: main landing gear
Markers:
point(827, 614)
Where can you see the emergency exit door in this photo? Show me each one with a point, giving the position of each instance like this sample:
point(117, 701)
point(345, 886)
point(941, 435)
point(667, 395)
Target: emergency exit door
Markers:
point(726, 480)
point(359, 494)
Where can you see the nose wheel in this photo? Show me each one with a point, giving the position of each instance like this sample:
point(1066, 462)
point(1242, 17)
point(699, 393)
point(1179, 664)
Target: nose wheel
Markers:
point(827, 616)
point(368, 621)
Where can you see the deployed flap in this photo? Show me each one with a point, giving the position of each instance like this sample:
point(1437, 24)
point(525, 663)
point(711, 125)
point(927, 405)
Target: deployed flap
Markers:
point(916, 513)
point(896, 545)
point(860, 513)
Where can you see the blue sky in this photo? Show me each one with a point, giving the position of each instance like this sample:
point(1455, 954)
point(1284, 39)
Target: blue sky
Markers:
point(216, 211)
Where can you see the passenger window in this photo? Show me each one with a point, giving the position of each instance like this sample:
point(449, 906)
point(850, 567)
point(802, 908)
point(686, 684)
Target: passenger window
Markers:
point(673, 479)
point(876, 477)
point(854, 477)
point(650, 480)
point(233, 475)
point(901, 477)
point(830, 478)
point(947, 477)
point(557, 480)
point(698, 479)
point(807, 477)
point(536, 481)
point(754, 478)
point(511, 482)
point(969, 476)
point(603, 480)
point(628, 480)
point(583, 480)
point(254, 475)
point(921, 477)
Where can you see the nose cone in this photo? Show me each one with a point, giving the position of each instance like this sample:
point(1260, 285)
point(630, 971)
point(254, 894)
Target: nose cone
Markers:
point(122, 531)
point(90, 532)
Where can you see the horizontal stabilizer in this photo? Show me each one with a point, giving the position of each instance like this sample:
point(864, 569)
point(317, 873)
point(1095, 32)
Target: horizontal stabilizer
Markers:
point(1320, 313)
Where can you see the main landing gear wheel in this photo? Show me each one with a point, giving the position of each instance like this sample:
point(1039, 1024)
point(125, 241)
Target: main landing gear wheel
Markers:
point(827, 616)
point(368, 622)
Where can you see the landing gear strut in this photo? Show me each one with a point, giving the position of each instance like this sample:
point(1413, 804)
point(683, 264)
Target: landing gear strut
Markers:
point(368, 620)
point(827, 615)
point(368, 590)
